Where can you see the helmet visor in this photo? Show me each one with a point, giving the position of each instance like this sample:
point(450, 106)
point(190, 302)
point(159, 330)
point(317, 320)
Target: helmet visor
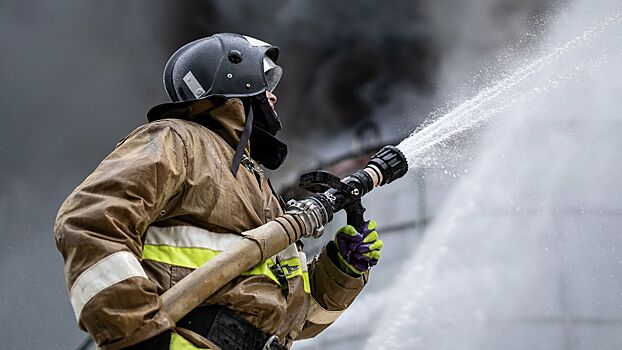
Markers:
point(273, 73)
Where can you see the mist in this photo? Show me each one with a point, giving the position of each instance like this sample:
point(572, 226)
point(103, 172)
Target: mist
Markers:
point(523, 253)
point(80, 76)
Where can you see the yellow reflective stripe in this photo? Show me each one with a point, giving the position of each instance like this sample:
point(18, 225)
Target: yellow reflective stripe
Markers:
point(305, 272)
point(294, 263)
point(194, 257)
point(263, 269)
point(297, 270)
point(185, 257)
point(306, 284)
point(179, 343)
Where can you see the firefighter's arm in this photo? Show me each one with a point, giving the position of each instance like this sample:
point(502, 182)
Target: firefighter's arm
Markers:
point(339, 274)
point(98, 231)
point(332, 291)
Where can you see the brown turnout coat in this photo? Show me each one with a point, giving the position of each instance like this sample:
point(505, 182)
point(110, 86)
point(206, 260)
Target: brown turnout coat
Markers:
point(167, 178)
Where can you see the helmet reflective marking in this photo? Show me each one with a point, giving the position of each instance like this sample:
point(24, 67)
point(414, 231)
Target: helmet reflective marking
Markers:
point(255, 42)
point(273, 73)
point(193, 84)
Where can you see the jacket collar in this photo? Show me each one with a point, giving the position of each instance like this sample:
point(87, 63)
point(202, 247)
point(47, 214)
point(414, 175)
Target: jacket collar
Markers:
point(226, 118)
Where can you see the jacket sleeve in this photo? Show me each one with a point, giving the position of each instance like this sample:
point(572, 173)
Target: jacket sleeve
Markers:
point(332, 291)
point(98, 231)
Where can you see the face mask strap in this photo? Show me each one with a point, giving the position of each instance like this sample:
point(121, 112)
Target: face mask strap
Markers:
point(246, 134)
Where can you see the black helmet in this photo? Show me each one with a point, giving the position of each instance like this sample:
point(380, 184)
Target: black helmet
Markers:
point(226, 64)
point(231, 66)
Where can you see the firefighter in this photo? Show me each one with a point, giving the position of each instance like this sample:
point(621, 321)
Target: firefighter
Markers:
point(182, 188)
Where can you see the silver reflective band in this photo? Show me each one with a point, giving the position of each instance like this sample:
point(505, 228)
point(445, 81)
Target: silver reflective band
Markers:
point(303, 261)
point(193, 84)
point(255, 42)
point(292, 252)
point(108, 271)
point(190, 237)
point(318, 315)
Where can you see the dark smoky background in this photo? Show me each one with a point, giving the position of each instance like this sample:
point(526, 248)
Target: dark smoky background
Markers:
point(78, 76)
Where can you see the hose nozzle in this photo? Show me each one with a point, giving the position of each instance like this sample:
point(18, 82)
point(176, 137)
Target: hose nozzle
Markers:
point(386, 165)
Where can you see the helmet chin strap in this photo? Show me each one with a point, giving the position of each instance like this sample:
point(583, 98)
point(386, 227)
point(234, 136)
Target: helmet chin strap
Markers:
point(246, 134)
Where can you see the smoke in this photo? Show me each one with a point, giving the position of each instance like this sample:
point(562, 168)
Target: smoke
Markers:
point(341, 59)
point(348, 63)
point(475, 35)
point(488, 28)
point(79, 75)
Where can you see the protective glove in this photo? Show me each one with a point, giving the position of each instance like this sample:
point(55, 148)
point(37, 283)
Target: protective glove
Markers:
point(358, 251)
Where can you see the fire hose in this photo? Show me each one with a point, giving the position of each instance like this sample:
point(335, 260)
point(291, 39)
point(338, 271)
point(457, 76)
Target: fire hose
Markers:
point(302, 218)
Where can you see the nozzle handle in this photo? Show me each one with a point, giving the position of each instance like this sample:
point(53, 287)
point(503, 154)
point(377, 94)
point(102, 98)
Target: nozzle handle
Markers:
point(355, 213)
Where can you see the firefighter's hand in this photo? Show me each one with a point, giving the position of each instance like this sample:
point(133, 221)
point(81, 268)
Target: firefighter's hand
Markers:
point(358, 250)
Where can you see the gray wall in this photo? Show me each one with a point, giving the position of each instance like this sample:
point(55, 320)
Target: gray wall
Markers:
point(76, 77)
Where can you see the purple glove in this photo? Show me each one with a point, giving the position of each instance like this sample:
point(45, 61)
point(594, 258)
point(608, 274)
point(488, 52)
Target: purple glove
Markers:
point(358, 250)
